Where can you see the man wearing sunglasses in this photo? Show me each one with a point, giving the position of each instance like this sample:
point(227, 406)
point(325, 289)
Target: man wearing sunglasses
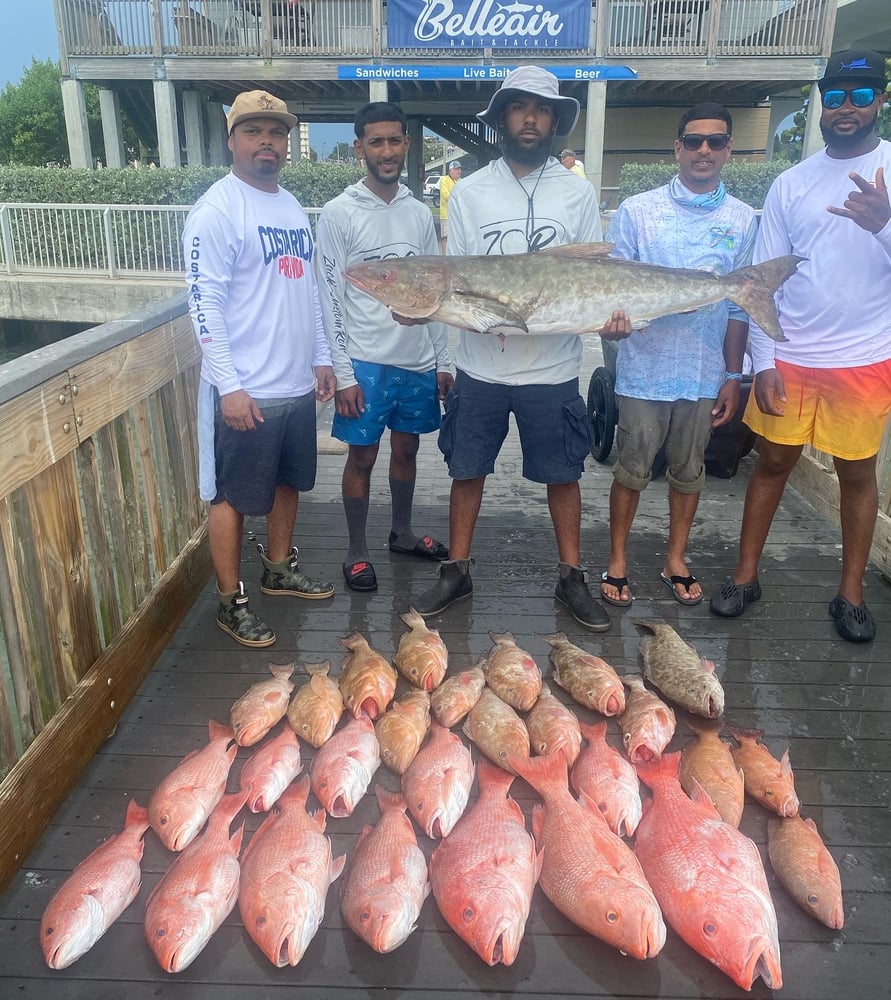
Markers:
point(829, 385)
point(680, 376)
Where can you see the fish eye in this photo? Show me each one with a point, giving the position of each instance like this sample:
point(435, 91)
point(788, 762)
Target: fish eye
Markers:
point(612, 916)
point(420, 806)
point(365, 916)
point(49, 931)
point(602, 806)
point(813, 899)
point(709, 928)
point(386, 753)
point(261, 921)
point(164, 820)
point(161, 932)
point(768, 793)
point(469, 913)
point(305, 727)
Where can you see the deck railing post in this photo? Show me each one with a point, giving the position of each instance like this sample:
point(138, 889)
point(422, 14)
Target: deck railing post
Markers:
point(6, 234)
point(109, 243)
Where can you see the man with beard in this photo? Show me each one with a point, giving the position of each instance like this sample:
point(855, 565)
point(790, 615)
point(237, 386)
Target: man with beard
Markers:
point(830, 384)
point(388, 375)
point(255, 308)
point(521, 203)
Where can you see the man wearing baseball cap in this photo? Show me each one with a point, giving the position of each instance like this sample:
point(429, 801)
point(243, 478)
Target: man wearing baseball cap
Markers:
point(567, 158)
point(445, 191)
point(829, 384)
point(255, 308)
point(520, 203)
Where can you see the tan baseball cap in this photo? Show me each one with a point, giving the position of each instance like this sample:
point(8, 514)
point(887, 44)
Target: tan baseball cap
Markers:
point(258, 104)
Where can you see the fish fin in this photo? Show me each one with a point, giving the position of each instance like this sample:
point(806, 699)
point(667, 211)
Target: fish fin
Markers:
point(217, 730)
point(281, 669)
point(136, 815)
point(500, 638)
point(785, 765)
point(700, 795)
point(585, 799)
point(584, 250)
point(539, 862)
point(651, 771)
point(318, 669)
point(742, 735)
point(389, 800)
point(235, 840)
point(538, 815)
point(412, 618)
point(491, 776)
point(753, 289)
point(336, 867)
point(811, 825)
point(593, 733)
point(488, 316)
point(707, 665)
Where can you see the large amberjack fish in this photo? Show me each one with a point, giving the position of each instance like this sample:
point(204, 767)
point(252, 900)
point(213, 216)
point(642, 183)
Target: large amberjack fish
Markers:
point(512, 673)
point(367, 680)
point(768, 780)
point(421, 657)
point(708, 877)
point(385, 883)
point(401, 730)
point(806, 869)
point(709, 762)
point(285, 874)
point(684, 677)
point(269, 770)
point(552, 726)
point(342, 769)
point(262, 706)
point(484, 871)
point(647, 723)
point(588, 679)
point(198, 891)
point(95, 894)
point(181, 803)
point(437, 783)
point(457, 695)
point(587, 872)
point(317, 705)
point(568, 289)
point(608, 780)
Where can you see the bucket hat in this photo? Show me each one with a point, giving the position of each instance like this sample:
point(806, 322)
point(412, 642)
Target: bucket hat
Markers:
point(540, 83)
point(258, 104)
point(854, 64)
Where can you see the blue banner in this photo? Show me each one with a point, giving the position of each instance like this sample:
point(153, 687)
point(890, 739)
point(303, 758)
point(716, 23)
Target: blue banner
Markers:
point(446, 71)
point(493, 24)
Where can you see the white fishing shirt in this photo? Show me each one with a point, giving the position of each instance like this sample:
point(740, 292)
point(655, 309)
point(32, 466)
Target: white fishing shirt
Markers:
point(253, 296)
point(491, 212)
point(680, 356)
point(357, 227)
point(835, 308)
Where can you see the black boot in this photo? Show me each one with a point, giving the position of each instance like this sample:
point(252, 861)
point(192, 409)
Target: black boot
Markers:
point(572, 590)
point(454, 584)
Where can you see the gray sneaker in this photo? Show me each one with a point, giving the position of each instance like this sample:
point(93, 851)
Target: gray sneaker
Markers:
point(572, 590)
point(286, 578)
point(454, 584)
point(235, 617)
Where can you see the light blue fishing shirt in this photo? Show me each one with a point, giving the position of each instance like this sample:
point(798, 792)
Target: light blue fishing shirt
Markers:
point(680, 356)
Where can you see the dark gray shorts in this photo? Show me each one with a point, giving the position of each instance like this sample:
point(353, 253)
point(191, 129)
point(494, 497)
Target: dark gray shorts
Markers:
point(552, 421)
point(645, 425)
point(280, 452)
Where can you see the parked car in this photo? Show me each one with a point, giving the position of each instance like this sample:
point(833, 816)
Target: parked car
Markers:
point(431, 188)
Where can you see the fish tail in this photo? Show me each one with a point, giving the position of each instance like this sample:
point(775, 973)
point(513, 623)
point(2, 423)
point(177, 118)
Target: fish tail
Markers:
point(740, 735)
point(298, 792)
point(702, 725)
point(318, 669)
point(412, 618)
point(217, 730)
point(556, 640)
point(281, 669)
point(389, 800)
point(541, 772)
point(500, 637)
point(137, 815)
point(753, 288)
point(654, 772)
point(593, 733)
point(493, 778)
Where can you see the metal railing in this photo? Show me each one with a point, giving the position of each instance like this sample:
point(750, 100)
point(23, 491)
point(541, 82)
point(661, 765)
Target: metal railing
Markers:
point(345, 28)
point(109, 240)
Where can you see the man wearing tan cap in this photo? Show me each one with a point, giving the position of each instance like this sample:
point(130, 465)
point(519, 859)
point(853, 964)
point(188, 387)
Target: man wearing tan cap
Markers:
point(567, 158)
point(255, 308)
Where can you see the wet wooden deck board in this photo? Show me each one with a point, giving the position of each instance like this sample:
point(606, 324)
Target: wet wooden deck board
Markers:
point(783, 668)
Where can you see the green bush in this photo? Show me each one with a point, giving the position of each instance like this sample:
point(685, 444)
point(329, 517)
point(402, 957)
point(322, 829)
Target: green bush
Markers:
point(743, 179)
point(312, 184)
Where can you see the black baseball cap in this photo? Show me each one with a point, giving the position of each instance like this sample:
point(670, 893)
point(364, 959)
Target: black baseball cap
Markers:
point(862, 65)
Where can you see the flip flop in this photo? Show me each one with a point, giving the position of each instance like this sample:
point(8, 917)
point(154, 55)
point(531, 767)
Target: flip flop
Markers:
point(360, 575)
point(619, 582)
point(425, 548)
point(684, 581)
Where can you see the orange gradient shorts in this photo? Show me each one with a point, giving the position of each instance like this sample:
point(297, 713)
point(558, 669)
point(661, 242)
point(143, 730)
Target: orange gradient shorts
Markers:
point(841, 411)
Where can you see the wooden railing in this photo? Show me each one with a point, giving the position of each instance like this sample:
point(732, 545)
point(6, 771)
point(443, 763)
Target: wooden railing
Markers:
point(357, 28)
point(102, 546)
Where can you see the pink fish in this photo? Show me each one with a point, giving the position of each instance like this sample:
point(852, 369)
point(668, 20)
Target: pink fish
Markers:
point(342, 769)
point(437, 784)
point(552, 726)
point(95, 894)
point(198, 891)
point(589, 873)
point(262, 706)
point(484, 871)
point(647, 723)
point(608, 780)
point(422, 657)
point(512, 673)
point(180, 805)
point(269, 770)
point(457, 695)
point(708, 878)
point(285, 874)
point(385, 883)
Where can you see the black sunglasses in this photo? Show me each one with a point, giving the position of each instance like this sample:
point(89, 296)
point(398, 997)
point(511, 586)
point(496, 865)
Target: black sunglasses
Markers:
point(693, 141)
point(860, 97)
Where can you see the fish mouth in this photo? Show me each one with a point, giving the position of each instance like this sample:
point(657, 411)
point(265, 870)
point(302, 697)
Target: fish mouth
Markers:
point(503, 945)
point(340, 806)
point(369, 707)
point(714, 707)
point(762, 961)
point(790, 805)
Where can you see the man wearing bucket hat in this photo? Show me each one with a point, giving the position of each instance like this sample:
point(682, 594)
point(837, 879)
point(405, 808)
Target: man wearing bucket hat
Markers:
point(445, 191)
point(255, 308)
point(829, 385)
point(522, 202)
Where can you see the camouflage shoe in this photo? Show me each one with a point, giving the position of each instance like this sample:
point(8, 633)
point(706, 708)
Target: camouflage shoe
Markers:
point(285, 578)
point(236, 618)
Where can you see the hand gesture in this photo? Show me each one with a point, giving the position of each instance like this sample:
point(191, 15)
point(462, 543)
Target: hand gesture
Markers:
point(868, 206)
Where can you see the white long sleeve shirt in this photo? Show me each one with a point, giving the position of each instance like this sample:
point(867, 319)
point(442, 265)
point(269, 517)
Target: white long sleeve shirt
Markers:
point(492, 212)
point(253, 296)
point(354, 228)
point(835, 308)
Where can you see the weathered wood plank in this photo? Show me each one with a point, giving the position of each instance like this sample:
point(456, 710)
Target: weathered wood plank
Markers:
point(148, 466)
point(111, 486)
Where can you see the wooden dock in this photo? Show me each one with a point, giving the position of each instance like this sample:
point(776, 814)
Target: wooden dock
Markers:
point(783, 668)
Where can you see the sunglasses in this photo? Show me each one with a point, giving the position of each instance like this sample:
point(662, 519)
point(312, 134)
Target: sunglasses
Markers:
point(860, 97)
point(693, 141)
